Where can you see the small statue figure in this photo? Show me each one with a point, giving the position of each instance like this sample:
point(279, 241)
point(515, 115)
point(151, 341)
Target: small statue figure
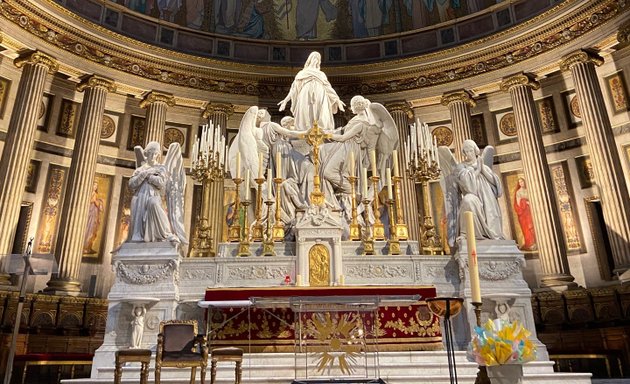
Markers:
point(472, 186)
point(137, 326)
point(149, 182)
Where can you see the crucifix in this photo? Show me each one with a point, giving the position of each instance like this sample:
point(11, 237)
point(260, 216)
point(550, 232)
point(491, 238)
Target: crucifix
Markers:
point(315, 137)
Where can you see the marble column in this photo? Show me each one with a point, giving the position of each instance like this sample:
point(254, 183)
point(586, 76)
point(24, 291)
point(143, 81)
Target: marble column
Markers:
point(18, 146)
point(549, 233)
point(74, 214)
point(219, 115)
point(600, 139)
point(156, 104)
point(402, 113)
point(459, 104)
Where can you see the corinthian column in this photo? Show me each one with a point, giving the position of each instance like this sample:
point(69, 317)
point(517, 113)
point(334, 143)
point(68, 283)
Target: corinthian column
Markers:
point(74, 215)
point(18, 146)
point(603, 151)
point(549, 234)
point(459, 104)
point(402, 113)
point(156, 104)
point(218, 114)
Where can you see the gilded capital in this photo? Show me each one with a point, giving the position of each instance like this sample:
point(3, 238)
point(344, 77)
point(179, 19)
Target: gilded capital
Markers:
point(400, 106)
point(211, 108)
point(96, 81)
point(461, 96)
point(525, 79)
point(157, 97)
point(37, 57)
point(580, 56)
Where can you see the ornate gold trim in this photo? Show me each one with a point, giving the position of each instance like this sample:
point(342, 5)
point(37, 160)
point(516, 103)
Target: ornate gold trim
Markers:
point(157, 97)
point(37, 57)
point(525, 79)
point(97, 81)
point(580, 56)
point(623, 35)
point(211, 108)
point(461, 96)
point(401, 106)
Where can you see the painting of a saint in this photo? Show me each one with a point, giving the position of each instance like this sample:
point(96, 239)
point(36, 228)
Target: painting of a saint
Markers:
point(94, 218)
point(524, 214)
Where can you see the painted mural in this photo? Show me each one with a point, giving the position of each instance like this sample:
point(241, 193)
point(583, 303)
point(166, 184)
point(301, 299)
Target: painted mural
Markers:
point(51, 207)
point(124, 213)
point(520, 211)
point(306, 19)
point(97, 216)
point(566, 206)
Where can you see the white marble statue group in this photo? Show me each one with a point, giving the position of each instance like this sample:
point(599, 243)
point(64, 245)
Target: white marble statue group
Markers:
point(469, 185)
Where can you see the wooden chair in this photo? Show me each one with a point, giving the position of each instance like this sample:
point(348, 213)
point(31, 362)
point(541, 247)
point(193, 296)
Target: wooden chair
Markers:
point(142, 356)
point(179, 346)
point(226, 354)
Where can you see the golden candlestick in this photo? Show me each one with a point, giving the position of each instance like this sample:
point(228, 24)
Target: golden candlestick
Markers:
point(234, 232)
point(355, 227)
point(243, 246)
point(401, 230)
point(422, 170)
point(393, 242)
point(206, 171)
point(257, 230)
point(278, 226)
point(366, 239)
point(268, 247)
point(379, 228)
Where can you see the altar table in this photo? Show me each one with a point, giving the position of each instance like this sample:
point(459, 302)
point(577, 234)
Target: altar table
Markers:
point(248, 317)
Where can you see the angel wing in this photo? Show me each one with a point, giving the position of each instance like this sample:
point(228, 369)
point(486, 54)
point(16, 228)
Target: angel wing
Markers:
point(175, 187)
point(388, 139)
point(448, 182)
point(488, 159)
point(140, 158)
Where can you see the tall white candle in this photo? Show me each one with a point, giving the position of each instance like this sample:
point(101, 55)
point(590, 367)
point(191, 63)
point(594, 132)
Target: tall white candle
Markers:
point(269, 185)
point(260, 165)
point(247, 191)
point(364, 182)
point(473, 266)
point(388, 173)
point(278, 164)
point(373, 161)
point(238, 165)
point(395, 156)
point(351, 165)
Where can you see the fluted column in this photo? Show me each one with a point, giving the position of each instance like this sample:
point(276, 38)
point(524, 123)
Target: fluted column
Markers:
point(401, 112)
point(549, 233)
point(156, 104)
point(459, 104)
point(219, 115)
point(74, 215)
point(18, 146)
point(603, 151)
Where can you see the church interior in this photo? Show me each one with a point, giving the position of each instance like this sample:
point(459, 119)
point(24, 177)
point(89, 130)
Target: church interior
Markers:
point(397, 90)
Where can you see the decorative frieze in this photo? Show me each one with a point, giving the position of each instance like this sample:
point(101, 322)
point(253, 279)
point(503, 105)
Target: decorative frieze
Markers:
point(142, 274)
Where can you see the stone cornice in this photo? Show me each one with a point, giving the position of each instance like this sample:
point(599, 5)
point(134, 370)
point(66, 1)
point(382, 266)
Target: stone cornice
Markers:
point(580, 56)
point(462, 96)
point(211, 108)
point(37, 57)
point(568, 20)
point(401, 106)
point(157, 97)
point(524, 79)
point(97, 81)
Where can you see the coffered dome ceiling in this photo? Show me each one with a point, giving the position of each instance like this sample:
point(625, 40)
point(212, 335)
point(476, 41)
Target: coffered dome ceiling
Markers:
point(127, 36)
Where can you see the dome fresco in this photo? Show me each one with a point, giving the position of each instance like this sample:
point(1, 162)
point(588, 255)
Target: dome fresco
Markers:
point(303, 20)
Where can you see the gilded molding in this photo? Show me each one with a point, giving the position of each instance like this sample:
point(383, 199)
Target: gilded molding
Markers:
point(400, 106)
point(462, 96)
point(580, 56)
point(525, 79)
point(157, 97)
point(419, 71)
point(97, 81)
point(37, 57)
point(211, 108)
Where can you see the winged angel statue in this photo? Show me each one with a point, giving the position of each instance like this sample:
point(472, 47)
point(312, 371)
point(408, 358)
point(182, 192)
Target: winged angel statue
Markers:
point(473, 186)
point(149, 183)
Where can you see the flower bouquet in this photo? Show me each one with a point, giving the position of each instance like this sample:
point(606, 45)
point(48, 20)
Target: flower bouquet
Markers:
point(502, 347)
point(501, 342)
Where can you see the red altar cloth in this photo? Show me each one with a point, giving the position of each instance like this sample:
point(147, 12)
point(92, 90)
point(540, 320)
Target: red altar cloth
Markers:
point(400, 327)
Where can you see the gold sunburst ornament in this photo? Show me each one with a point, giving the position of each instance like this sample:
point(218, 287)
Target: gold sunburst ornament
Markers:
point(340, 337)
